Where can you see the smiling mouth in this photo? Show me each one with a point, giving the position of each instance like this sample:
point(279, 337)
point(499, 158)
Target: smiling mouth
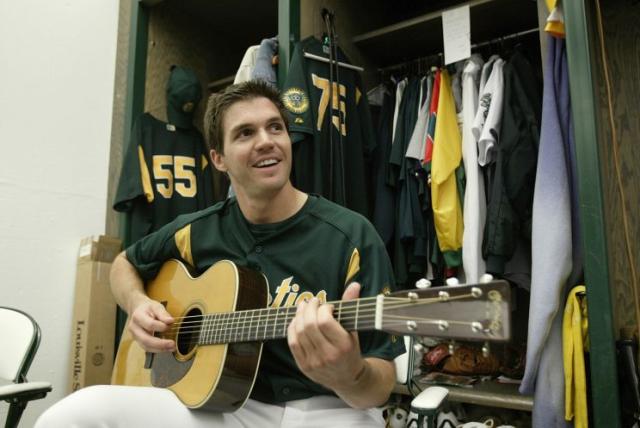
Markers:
point(267, 163)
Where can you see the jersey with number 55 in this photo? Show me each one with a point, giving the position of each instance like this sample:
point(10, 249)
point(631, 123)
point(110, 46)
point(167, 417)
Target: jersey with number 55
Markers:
point(165, 173)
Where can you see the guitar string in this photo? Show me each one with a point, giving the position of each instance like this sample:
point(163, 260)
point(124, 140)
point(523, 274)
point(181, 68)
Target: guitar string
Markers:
point(230, 334)
point(239, 325)
point(249, 316)
point(351, 303)
point(225, 338)
point(335, 303)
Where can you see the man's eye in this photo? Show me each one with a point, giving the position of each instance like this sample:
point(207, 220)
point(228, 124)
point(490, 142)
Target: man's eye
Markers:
point(245, 133)
point(277, 126)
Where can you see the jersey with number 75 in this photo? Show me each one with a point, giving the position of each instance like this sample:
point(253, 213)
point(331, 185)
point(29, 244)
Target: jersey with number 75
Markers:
point(330, 125)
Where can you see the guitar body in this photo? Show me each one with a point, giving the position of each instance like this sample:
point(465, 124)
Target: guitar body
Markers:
point(221, 321)
point(216, 377)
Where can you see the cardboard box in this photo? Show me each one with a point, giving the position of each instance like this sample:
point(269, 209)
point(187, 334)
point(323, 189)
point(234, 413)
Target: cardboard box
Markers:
point(94, 314)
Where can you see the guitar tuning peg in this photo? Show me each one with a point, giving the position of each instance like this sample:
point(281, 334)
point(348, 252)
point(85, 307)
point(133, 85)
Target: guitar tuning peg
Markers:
point(452, 347)
point(452, 281)
point(486, 277)
point(423, 283)
point(486, 350)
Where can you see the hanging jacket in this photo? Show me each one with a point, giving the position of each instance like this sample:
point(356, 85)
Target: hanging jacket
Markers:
point(511, 191)
point(550, 248)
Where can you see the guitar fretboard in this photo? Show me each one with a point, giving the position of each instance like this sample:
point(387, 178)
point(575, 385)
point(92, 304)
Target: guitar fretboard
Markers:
point(272, 323)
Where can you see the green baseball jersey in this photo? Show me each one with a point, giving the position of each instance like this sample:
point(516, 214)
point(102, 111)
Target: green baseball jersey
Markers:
point(316, 252)
point(165, 173)
point(332, 139)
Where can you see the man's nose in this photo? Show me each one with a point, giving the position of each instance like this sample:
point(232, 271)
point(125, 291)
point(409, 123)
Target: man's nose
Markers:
point(265, 139)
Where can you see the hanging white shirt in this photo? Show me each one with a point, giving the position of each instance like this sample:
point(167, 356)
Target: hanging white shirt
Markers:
point(415, 148)
point(475, 208)
point(486, 124)
point(399, 91)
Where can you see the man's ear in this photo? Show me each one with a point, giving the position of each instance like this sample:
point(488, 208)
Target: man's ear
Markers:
point(218, 160)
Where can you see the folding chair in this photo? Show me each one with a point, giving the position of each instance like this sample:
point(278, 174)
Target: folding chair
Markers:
point(19, 341)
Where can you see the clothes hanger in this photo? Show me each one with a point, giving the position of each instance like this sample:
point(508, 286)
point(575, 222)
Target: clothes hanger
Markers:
point(326, 41)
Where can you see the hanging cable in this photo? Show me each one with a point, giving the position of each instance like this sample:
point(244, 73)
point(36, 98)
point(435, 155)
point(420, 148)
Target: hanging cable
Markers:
point(325, 17)
point(616, 164)
point(341, 119)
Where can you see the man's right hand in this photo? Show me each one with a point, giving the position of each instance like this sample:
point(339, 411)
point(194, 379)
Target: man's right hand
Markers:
point(149, 317)
point(146, 316)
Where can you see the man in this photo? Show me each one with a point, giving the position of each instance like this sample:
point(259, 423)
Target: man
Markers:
point(309, 249)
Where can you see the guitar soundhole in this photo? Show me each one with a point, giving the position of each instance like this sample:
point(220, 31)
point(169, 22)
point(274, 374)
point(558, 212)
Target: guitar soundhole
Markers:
point(189, 332)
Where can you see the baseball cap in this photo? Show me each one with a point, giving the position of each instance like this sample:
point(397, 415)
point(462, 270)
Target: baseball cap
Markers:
point(183, 95)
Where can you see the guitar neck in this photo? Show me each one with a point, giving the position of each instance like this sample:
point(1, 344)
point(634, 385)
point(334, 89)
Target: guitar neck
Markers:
point(272, 323)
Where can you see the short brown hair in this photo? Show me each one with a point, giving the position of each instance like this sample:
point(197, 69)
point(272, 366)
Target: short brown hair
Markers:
point(219, 103)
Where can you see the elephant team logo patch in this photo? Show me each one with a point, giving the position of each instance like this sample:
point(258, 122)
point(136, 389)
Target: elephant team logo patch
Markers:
point(295, 100)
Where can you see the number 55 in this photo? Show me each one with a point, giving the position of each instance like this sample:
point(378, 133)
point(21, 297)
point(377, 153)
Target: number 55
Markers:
point(185, 179)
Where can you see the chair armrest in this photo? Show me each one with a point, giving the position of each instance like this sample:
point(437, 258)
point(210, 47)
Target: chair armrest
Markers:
point(28, 390)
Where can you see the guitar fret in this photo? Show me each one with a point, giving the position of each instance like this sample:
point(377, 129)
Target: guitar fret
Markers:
point(212, 328)
point(221, 330)
point(285, 322)
point(247, 325)
point(240, 327)
point(234, 327)
point(204, 330)
point(250, 313)
point(266, 315)
point(228, 325)
point(250, 333)
point(275, 322)
point(256, 315)
point(355, 327)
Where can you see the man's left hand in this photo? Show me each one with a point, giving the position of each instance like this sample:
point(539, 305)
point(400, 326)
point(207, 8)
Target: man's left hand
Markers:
point(324, 351)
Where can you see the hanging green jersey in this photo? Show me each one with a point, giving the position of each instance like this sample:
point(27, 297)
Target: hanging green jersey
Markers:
point(165, 173)
point(330, 126)
point(316, 252)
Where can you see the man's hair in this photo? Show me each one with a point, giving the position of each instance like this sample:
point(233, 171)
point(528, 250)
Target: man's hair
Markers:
point(219, 103)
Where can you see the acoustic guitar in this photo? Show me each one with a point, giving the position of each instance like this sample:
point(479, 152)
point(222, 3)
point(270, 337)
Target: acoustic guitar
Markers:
point(222, 319)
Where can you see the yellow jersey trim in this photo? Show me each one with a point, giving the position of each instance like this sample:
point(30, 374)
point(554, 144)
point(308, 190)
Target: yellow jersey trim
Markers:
point(354, 266)
point(183, 242)
point(145, 176)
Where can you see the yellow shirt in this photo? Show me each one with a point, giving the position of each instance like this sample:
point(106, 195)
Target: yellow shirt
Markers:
point(447, 155)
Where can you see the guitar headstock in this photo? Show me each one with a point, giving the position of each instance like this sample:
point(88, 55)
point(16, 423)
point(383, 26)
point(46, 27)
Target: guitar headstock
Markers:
point(468, 312)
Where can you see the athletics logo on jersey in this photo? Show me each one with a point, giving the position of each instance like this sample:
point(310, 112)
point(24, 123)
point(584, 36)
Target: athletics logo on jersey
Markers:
point(288, 294)
point(295, 100)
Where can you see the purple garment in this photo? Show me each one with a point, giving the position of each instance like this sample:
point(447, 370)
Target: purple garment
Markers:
point(551, 243)
point(264, 68)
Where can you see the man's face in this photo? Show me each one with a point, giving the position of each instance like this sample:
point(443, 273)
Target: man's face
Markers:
point(257, 148)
